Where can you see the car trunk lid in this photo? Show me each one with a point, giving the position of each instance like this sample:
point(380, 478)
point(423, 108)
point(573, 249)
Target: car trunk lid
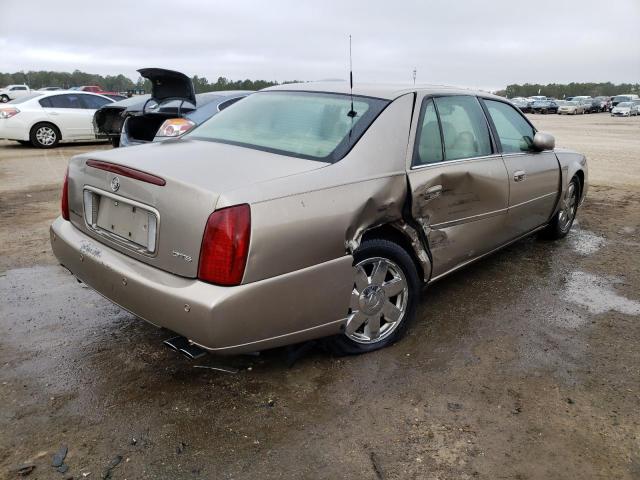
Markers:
point(169, 85)
point(152, 202)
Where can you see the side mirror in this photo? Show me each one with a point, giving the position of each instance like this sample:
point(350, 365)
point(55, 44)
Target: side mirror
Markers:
point(544, 141)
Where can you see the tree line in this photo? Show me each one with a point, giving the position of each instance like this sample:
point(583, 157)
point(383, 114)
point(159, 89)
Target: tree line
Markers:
point(558, 90)
point(120, 83)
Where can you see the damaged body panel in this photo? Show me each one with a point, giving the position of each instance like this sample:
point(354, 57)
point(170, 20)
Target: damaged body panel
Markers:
point(304, 212)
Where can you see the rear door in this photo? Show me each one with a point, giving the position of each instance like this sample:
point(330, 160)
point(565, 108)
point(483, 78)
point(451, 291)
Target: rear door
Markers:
point(458, 181)
point(69, 114)
point(90, 104)
point(534, 177)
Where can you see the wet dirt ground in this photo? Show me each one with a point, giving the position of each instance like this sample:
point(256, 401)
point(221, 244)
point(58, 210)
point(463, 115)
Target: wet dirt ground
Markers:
point(522, 366)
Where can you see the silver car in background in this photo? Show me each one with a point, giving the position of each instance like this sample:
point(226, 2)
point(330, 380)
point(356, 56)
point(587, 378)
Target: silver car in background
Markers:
point(310, 211)
point(570, 107)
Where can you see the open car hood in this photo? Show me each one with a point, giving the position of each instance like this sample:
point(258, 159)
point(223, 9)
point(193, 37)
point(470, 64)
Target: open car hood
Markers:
point(169, 85)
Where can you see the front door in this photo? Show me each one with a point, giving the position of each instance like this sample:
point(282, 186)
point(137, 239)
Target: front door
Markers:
point(534, 177)
point(458, 182)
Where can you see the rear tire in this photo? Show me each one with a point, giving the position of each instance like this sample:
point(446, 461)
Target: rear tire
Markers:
point(563, 220)
point(44, 135)
point(383, 300)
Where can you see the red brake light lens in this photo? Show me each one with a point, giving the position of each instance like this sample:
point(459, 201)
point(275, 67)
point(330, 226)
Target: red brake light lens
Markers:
point(225, 246)
point(64, 198)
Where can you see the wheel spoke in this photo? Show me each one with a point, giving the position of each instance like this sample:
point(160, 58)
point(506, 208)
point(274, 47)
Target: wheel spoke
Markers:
point(391, 312)
point(354, 322)
point(361, 279)
point(372, 329)
point(354, 304)
point(379, 272)
point(393, 287)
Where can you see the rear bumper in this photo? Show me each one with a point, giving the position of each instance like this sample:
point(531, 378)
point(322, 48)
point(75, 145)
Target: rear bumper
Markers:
point(290, 308)
point(13, 129)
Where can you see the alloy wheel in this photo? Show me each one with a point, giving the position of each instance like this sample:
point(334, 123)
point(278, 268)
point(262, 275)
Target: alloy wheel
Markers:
point(568, 207)
point(46, 136)
point(378, 301)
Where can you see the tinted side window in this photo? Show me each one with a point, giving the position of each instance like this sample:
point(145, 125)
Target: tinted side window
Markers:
point(514, 132)
point(65, 101)
point(45, 102)
point(428, 146)
point(464, 127)
point(94, 102)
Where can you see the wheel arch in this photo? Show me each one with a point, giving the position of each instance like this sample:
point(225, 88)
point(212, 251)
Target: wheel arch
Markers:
point(45, 120)
point(573, 164)
point(406, 237)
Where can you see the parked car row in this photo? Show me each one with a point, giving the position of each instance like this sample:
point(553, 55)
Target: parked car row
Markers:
point(45, 118)
point(12, 92)
point(580, 105)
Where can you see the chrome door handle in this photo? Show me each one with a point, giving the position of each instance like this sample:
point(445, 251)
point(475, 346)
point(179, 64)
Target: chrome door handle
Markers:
point(519, 176)
point(432, 192)
point(54, 113)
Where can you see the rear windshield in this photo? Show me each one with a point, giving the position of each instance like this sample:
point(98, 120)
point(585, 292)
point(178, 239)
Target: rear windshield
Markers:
point(311, 125)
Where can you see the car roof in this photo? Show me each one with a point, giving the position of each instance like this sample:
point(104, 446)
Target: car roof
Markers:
point(386, 91)
point(226, 93)
point(50, 93)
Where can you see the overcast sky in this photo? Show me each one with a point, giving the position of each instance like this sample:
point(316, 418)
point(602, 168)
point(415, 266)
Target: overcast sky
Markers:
point(484, 44)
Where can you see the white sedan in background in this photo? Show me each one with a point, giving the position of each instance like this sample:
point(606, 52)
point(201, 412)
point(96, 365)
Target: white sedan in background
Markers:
point(45, 119)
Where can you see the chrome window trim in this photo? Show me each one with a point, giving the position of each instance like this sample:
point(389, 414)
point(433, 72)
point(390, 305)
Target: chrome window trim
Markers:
point(457, 160)
point(116, 238)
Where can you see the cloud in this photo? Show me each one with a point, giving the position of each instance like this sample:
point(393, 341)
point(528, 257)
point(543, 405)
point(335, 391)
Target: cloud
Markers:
point(458, 42)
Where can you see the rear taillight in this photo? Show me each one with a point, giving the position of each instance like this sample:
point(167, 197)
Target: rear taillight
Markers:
point(225, 245)
point(8, 112)
point(174, 127)
point(64, 198)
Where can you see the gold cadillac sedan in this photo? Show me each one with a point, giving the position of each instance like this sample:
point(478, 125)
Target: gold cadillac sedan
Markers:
point(307, 211)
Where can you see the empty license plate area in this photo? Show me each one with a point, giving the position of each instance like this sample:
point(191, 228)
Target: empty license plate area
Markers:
point(122, 220)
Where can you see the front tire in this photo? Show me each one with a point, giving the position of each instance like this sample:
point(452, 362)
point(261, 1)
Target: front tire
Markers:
point(563, 219)
point(4, 98)
point(44, 135)
point(383, 300)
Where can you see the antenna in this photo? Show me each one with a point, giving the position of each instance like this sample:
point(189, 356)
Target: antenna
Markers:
point(351, 113)
point(415, 72)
